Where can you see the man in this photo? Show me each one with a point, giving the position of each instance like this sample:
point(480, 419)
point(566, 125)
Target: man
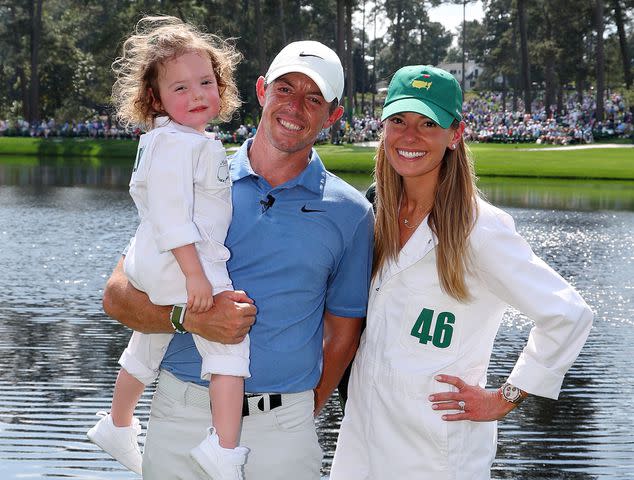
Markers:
point(301, 247)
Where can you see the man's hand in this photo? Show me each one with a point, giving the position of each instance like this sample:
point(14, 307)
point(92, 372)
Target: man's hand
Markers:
point(341, 339)
point(228, 321)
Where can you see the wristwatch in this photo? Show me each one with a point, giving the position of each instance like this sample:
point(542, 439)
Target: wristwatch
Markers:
point(177, 317)
point(511, 393)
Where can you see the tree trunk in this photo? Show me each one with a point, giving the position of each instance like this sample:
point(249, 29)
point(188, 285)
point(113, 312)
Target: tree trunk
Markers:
point(464, 37)
point(341, 28)
point(336, 127)
point(579, 84)
point(24, 91)
point(259, 30)
point(374, 67)
point(363, 69)
point(526, 74)
point(282, 23)
point(600, 59)
point(550, 80)
point(36, 37)
point(398, 33)
point(349, 67)
point(625, 57)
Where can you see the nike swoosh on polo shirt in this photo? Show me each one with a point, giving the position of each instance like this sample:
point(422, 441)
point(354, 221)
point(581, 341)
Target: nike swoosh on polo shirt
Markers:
point(310, 210)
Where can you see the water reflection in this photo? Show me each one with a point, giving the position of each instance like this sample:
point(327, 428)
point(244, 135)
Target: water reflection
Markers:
point(59, 351)
point(584, 195)
point(67, 174)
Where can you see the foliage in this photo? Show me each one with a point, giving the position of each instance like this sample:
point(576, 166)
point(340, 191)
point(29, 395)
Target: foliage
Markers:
point(79, 39)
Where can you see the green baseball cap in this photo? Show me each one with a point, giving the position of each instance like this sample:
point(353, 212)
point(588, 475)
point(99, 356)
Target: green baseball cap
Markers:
point(426, 90)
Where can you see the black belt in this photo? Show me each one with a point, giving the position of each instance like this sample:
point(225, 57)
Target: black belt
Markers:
point(260, 402)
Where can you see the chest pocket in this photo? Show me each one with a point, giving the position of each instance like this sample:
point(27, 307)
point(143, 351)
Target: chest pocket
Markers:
point(213, 167)
point(141, 162)
point(434, 327)
point(430, 328)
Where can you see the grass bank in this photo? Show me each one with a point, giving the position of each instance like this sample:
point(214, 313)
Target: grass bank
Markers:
point(490, 159)
point(511, 161)
point(75, 147)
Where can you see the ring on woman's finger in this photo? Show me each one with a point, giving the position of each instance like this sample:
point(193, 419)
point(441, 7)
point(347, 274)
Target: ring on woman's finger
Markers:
point(461, 404)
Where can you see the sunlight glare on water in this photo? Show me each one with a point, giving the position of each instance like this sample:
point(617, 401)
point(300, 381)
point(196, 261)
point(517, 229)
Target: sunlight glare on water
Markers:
point(58, 351)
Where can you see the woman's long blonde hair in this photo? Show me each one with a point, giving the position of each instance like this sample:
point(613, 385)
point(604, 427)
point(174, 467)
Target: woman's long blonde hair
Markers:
point(158, 39)
point(452, 216)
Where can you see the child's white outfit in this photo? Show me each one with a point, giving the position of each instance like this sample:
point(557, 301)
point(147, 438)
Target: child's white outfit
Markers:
point(181, 187)
point(182, 190)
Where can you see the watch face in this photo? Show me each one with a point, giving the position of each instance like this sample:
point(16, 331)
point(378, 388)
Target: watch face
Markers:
point(511, 393)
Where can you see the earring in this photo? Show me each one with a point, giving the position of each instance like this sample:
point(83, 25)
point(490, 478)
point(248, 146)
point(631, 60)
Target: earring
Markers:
point(453, 146)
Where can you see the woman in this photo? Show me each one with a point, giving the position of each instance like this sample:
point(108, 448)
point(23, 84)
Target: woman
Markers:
point(447, 265)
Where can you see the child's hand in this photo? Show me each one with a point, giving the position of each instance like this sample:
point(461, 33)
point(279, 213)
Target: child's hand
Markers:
point(199, 293)
point(238, 296)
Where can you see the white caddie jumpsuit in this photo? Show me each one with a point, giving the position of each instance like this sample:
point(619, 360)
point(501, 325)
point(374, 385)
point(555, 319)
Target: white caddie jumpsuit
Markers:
point(182, 190)
point(416, 331)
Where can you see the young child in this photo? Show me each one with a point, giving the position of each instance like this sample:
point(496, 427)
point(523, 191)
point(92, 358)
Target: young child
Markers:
point(174, 80)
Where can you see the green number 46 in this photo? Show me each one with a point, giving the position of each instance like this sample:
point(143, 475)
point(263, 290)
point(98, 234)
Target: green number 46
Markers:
point(443, 329)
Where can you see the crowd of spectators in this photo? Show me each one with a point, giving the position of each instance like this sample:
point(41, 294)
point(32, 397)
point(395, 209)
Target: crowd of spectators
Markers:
point(486, 119)
point(95, 128)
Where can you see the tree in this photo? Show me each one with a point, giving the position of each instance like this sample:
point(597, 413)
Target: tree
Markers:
point(600, 58)
point(526, 70)
point(350, 91)
point(500, 54)
point(625, 56)
point(35, 11)
point(463, 36)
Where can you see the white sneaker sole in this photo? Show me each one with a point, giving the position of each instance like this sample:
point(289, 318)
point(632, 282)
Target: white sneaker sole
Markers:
point(106, 448)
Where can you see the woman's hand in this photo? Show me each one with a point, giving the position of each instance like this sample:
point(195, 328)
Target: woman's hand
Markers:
point(478, 404)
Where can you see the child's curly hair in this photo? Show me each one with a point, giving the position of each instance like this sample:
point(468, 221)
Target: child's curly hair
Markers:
point(158, 39)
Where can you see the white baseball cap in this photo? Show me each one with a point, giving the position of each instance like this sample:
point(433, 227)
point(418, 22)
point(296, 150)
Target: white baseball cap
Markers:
point(313, 59)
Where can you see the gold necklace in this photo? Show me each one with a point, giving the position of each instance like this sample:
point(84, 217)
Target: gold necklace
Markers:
point(411, 226)
point(408, 225)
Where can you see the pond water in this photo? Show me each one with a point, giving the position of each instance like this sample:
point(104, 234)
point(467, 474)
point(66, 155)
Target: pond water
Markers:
point(61, 233)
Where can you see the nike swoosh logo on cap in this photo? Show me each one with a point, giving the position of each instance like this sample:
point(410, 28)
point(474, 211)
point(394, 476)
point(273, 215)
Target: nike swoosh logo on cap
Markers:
point(309, 55)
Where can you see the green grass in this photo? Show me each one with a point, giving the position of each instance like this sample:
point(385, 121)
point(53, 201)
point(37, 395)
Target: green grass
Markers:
point(512, 161)
point(347, 158)
point(76, 147)
point(525, 160)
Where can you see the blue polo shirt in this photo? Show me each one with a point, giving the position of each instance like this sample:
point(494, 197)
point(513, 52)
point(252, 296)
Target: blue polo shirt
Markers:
point(307, 250)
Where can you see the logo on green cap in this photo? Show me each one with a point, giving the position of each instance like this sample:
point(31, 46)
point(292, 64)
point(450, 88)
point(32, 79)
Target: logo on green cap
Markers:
point(421, 84)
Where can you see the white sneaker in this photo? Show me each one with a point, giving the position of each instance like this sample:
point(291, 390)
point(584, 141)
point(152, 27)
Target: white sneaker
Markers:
point(119, 442)
point(217, 462)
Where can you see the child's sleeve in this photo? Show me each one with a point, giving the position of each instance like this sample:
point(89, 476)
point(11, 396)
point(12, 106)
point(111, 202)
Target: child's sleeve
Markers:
point(170, 187)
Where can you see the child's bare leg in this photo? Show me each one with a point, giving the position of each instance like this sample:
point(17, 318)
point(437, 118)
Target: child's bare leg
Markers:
point(226, 393)
point(127, 392)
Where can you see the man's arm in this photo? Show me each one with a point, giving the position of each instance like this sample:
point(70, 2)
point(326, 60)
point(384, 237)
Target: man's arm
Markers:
point(228, 321)
point(341, 339)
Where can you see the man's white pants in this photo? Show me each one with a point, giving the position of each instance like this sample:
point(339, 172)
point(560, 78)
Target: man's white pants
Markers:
point(283, 441)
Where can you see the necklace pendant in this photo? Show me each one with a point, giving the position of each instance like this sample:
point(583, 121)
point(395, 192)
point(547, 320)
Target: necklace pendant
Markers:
point(409, 225)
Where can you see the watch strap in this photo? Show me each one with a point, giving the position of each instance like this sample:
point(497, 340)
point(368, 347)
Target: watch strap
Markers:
point(177, 316)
